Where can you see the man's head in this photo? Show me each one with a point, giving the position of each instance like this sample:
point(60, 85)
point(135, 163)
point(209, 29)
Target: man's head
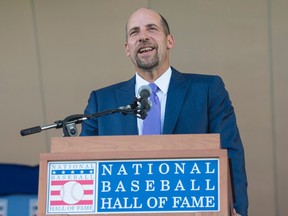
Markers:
point(148, 41)
point(164, 24)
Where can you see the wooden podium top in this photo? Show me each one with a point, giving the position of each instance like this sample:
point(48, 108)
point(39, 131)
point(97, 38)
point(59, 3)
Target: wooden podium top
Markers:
point(135, 143)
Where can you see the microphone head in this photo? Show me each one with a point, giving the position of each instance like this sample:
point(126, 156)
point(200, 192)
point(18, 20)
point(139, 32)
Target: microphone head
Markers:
point(146, 104)
point(145, 107)
point(145, 91)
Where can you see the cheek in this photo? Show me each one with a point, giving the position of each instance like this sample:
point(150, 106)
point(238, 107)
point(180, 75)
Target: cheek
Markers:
point(130, 49)
point(163, 45)
point(162, 48)
point(127, 50)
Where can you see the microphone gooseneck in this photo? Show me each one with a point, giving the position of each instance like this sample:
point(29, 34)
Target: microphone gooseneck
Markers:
point(139, 108)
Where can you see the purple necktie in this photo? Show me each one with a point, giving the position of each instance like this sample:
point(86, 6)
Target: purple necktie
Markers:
point(152, 123)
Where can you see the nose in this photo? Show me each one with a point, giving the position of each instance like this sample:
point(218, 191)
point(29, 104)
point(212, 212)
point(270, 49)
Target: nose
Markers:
point(143, 36)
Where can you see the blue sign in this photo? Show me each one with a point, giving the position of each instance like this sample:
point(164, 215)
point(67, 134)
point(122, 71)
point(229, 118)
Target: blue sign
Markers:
point(190, 185)
point(138, 186)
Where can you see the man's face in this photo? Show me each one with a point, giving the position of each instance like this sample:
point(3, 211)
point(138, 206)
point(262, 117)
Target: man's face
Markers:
point(147, 45)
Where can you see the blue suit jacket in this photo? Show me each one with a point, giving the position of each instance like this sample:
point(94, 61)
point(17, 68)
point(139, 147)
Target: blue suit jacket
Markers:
point(195, 104)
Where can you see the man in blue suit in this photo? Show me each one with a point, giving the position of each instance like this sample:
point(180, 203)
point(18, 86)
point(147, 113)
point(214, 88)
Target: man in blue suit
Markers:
point(190, 103)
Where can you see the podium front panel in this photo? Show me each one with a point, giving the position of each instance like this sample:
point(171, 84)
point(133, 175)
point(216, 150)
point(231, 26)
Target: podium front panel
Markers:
point(155, 189)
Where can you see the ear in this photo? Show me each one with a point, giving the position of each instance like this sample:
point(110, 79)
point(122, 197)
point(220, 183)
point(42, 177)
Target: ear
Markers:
point(127, 51)
point(170, 41)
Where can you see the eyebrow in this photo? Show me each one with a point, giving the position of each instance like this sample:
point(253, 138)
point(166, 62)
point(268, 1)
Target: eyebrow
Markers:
point(136, 28)
point(152, 25)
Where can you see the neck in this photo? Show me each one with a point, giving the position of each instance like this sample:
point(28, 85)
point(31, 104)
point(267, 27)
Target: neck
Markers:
point(151, 75)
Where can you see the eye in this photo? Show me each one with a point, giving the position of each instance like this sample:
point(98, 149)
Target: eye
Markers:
point(152, 28)
point(133, 31)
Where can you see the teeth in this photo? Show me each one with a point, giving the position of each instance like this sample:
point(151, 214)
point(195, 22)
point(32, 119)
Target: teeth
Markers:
point(145, 49)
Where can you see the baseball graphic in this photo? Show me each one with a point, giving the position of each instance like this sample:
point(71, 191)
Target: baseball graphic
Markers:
point(71, 192)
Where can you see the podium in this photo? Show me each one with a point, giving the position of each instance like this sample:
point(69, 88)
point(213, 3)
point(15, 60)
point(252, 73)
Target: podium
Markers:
point(135, 175)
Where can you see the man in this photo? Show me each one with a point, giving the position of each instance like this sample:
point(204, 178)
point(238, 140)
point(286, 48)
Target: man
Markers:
point(190, 103)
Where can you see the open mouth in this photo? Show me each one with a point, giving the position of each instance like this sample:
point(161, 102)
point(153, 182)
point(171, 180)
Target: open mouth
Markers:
point(145, 49)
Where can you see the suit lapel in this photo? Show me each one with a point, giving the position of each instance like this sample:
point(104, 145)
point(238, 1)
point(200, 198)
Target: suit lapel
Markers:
point(178, 88)
point(125, 95)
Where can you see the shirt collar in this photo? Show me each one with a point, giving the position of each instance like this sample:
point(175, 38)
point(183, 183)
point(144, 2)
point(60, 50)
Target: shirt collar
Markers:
point(162, 82)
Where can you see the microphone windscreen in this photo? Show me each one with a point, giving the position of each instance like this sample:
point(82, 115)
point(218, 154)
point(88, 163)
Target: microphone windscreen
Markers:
point(145, 91)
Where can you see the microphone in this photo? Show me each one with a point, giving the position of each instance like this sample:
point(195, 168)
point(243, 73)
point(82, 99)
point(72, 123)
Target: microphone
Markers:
point(141, 104)
point(145, 104)
point(144, 91)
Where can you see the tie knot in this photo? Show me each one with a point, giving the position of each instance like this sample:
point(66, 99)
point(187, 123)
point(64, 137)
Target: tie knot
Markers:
point(154, 87)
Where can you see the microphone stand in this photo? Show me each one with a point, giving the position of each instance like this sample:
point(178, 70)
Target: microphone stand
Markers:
point(69, 123)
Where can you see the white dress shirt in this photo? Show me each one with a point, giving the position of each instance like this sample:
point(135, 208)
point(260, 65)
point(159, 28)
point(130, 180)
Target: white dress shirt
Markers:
point(163, 83)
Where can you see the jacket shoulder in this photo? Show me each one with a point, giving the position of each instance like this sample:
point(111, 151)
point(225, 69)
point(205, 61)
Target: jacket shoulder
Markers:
point(196, 77)
point(125, 85)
